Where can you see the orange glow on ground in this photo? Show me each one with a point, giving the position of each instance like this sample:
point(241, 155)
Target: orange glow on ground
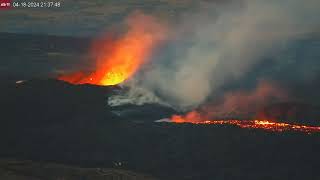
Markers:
point(193, 117)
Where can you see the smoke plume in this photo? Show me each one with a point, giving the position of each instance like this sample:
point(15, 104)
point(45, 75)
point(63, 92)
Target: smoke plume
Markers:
point(217, 45)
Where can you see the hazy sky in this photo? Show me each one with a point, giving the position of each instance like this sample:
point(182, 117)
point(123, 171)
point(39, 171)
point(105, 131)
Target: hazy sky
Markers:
point(84, 17)
point(228, 42)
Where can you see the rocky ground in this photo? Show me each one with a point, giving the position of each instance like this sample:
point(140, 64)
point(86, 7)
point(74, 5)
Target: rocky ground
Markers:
point(51, 129)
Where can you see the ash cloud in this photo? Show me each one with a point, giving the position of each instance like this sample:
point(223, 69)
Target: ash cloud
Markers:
point(218, 45)
point(245, 103)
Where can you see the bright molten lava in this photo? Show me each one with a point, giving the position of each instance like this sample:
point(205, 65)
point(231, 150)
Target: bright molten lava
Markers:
point(195, 118)
point(119, 59)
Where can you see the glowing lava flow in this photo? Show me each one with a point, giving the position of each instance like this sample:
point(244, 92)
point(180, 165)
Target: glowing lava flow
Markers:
point(118, 60)
point(251, 124)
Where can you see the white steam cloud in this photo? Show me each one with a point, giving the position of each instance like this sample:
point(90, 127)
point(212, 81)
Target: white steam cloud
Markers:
point(218, 44)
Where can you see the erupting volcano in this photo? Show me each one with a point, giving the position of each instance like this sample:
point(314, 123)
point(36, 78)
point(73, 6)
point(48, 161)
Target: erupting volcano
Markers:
point(119, 59)
point(269, 125)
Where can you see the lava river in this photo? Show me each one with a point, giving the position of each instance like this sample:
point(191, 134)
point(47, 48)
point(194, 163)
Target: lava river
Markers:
point(269, 125)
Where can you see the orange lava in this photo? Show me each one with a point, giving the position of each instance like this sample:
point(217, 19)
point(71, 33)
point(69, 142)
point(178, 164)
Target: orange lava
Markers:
point(118, 60)
point(193, 117)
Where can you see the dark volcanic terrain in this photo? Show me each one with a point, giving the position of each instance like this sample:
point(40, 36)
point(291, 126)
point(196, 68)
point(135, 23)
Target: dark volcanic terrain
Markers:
point(52, 121)
point(49, 121)
point(29, 170)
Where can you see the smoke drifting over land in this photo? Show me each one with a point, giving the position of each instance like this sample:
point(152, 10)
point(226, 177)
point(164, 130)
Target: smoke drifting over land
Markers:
point(216, 46)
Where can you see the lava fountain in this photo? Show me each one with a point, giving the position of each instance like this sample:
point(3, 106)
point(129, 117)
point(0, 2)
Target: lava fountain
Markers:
point(270, 125)
point(119, 59)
